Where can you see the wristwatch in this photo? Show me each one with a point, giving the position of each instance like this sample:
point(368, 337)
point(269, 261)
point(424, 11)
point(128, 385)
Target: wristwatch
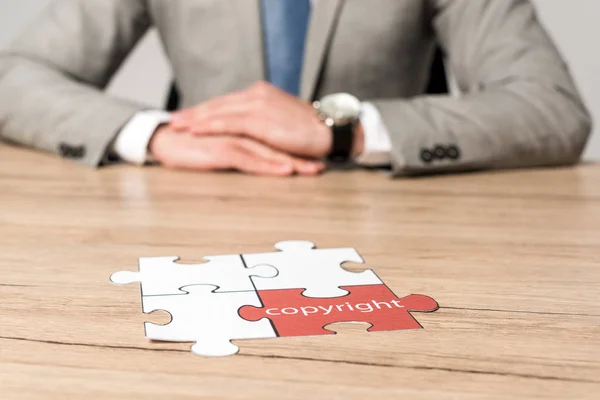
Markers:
point(340, 112)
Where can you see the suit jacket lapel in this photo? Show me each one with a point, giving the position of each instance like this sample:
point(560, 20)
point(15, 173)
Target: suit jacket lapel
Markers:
point(322, 26)
point(248, 16)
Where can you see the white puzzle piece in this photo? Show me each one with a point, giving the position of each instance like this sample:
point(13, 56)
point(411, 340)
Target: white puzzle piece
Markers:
point(164, 275)
point(209, 319)
point(319, 271)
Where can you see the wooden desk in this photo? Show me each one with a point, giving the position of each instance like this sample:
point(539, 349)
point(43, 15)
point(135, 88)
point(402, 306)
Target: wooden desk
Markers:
point(513, 258)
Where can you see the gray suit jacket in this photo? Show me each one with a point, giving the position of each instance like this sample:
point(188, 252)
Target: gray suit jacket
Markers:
point(518, 108)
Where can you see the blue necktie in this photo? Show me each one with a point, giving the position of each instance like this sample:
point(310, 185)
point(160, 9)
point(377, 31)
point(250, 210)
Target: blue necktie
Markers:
point(285, 23)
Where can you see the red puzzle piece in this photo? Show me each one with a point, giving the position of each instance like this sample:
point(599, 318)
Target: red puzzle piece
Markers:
point(295, 315)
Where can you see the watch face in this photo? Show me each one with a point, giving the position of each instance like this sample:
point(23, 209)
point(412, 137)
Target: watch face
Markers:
point(343, 108)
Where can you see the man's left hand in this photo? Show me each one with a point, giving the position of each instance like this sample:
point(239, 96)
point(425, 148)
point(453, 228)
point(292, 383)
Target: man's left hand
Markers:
point(264, 113)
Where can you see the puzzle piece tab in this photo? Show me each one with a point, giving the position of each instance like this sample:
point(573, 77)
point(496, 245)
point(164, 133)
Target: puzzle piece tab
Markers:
point(205, 317)
point(319, 271)
point(293, 314)
point(165, 275)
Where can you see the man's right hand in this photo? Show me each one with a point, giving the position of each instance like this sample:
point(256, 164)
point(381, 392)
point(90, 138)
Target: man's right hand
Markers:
point(214, 153)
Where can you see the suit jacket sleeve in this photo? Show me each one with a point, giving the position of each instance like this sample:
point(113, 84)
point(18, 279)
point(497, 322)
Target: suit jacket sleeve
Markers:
point(52, 78)
point(518, 106)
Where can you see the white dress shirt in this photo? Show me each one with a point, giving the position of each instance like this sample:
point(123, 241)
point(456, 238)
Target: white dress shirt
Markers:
point(131, 144)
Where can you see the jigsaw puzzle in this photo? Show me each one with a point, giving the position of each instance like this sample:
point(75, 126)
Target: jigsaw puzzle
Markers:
point(295, 291)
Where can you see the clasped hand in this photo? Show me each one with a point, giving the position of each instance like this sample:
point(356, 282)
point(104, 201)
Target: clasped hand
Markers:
point(261, 130)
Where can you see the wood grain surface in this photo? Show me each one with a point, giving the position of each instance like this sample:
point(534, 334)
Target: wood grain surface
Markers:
point(513, 258)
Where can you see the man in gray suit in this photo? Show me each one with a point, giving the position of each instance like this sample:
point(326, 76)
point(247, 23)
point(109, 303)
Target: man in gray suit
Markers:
point(249, 70)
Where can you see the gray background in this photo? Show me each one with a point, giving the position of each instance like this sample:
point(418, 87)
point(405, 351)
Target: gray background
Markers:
point(146, 75)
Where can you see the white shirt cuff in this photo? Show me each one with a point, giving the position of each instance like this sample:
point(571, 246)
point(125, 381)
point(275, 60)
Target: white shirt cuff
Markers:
point(132, 142)
point(378, 146)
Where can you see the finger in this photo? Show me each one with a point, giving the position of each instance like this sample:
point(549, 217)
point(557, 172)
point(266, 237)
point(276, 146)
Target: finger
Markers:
point(221, 153)
point(215, 121)
point(308, 167)
point(246, 125)
point(250, 162)
point(227, 103)
point(301, 166)
point(232, 122)
point(206, 154)
point(252, 100)
point(264, 151)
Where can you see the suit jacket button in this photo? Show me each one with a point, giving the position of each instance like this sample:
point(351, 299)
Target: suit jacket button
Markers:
point(68, 151)
point(78, 152)
point(426, 156)
point(440, 152)
point(453, 152)
point(63, 150)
